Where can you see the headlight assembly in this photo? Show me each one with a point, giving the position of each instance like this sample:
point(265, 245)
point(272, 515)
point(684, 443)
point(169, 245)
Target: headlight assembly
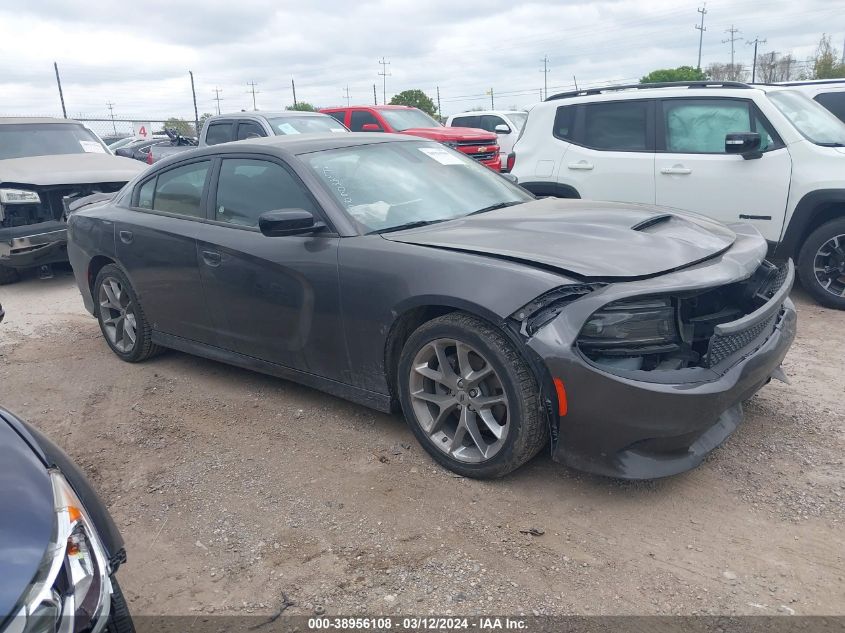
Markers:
point(631, 323)
point(18, 196)
point(71, 590)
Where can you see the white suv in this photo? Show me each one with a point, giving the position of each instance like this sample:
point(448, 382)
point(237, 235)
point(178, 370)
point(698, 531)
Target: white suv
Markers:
point(506, 124)
point(764, 155)
point(828, 92)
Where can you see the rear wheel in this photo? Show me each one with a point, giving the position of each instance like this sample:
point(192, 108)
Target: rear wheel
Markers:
point(121, 316)
point(821, 264)
point(469, 397)
point(8, 275)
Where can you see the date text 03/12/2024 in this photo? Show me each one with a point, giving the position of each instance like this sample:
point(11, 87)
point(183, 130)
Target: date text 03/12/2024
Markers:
point(428, 623)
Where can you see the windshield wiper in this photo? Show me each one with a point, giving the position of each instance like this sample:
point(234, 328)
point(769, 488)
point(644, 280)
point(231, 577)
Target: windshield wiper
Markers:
point(498, 205)
point(407, 225)
point(832, 144)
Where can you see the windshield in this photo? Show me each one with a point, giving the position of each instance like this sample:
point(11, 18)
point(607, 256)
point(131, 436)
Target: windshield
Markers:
point(404, 119)
point(305, 125)
point(518, 119)
point(815, 123)
point(45, 139)
point(387, 185)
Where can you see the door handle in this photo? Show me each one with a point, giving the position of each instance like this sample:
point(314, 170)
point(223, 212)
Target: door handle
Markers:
point(581, 164)
point(211, 258)
point(677, 170)
point(125, 236)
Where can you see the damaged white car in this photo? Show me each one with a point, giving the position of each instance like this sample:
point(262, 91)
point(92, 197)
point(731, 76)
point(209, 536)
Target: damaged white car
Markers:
point(46, 164)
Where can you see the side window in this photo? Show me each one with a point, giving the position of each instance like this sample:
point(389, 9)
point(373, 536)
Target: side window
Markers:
point(248, 187)
point(179, 190)
point(833, 101)
point(620, 125)
point(564, 123)
point(219, 133)
point(340, 116)
point(250, 129)
point(145, 194)
point(361, 117)
point(700, 126)
point(490, 121)
point(465, 121)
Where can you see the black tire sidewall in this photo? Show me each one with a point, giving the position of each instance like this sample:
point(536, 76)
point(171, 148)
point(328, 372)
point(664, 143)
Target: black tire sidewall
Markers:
point(504, 461)
point(111, 270)
point(806, 262)
point(8, 275)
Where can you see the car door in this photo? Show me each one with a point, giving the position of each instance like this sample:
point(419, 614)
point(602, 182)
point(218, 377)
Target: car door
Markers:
point(272, 298)
point(359, 118)
point(610, 155)
point(693, 171)
point(155, 242)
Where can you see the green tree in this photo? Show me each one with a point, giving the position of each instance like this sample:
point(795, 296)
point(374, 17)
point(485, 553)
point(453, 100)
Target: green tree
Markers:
point(415, 99)
point(681, 73)
point(826, 63)
point(302, 106)
point(180, 125)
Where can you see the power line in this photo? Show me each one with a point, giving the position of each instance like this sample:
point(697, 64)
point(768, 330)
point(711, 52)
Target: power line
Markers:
point(755, 41)
point(218, 98)
point(384, 75)
point(252, 85)
point(701, 28)
point(545, 72)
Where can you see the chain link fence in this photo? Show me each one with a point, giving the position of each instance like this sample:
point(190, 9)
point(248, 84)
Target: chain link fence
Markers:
point(116, 128)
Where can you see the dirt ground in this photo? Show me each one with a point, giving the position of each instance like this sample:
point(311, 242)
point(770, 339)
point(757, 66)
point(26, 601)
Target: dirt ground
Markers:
point(235, 491)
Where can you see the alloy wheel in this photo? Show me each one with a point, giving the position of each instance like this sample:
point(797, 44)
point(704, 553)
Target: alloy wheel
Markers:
point(829, 266)
point(459, 400)
point(117, 314)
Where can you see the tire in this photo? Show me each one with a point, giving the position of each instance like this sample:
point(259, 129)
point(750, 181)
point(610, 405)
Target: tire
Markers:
point(120, 313)
point(8, 275)
point(828, 238)
point(484, 368)
point(120, 621)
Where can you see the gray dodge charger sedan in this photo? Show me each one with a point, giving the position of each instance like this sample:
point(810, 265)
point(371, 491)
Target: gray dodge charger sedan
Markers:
point(396, 272)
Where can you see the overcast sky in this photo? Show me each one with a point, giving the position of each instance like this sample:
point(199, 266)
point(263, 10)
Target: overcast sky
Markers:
point(137, 55)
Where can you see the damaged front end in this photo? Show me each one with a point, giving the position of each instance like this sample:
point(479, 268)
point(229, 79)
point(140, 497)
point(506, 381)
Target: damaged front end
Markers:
point(33, 220)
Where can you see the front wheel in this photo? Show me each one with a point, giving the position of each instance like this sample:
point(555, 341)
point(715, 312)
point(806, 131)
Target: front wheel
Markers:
point(821, 264)
point(121, 317)
point(470, 398)
point(8, 275)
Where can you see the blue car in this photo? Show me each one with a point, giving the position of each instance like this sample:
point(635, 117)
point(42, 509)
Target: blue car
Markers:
point(59, 548)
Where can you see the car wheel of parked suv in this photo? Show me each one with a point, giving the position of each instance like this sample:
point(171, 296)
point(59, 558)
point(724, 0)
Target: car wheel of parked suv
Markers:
point(8, 275)
point(821, 264)
point(469, 397)
point(121, 317)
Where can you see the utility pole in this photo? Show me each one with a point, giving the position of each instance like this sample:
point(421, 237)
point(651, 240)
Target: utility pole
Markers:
point(252, 85)
point(111, 114)
point(733, 38)
point(545, 72)
point(346, 95)
point(61, 94)
point(755, 41)
point(375, 98)
point(293, 88)
point(490, 92)
point(384, 75)
point(217, 98)
point(701, 28)
point(576, 82)
point(439, 111)
point(196, 112)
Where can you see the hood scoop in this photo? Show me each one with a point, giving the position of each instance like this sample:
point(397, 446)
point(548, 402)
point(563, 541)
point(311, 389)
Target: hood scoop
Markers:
point(657, 219)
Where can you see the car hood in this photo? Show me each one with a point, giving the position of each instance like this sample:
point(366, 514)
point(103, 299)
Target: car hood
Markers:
point(587, 239)
point(452, 134)
point(26, 522)
point(69, 169)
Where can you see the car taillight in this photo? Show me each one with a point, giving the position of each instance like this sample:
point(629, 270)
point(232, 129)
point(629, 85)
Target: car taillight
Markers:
point(510, 162)
point(150, 157)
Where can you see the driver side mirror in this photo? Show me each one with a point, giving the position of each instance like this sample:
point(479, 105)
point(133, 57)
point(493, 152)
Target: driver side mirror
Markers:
point(371, 127)
point(746, 144)
point(288, 222)
point(502, 129)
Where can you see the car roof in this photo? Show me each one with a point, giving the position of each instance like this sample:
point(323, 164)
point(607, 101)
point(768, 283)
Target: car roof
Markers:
point(264, 114)
point(478, 112)
point(13, 120)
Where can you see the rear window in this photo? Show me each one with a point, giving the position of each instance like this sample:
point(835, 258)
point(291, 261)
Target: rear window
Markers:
point(222, 132)
point(835, 102)
point(620, 126)
point(564, 123)
point(47, 139)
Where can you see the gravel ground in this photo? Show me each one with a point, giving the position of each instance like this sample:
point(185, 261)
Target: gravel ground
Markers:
point(238, 493)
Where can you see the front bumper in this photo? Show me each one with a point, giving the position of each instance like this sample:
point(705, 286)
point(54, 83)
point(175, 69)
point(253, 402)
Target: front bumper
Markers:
point(648, 427)
point(33, 245)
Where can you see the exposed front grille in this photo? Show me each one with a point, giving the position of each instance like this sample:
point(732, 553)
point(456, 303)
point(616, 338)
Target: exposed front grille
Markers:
point(725, 346)
point(484, 156)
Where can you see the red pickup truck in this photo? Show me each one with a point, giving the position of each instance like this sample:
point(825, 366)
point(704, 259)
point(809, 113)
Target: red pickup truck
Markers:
point(481, 145)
